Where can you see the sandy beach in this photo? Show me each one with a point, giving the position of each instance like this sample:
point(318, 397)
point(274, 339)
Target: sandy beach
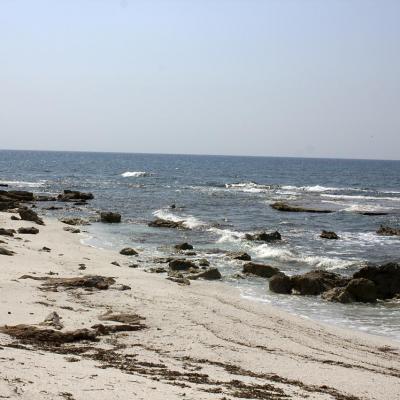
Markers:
point(199, 342)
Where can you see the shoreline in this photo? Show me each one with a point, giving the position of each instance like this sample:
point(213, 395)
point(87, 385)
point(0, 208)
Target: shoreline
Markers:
point(203, 341)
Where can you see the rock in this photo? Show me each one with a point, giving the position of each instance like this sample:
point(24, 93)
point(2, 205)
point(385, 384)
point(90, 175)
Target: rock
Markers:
point(163, 223)
point(209, 274)
point(3, 184)
point(28, 231)
point(372, 213)
point(385, 277)
point(280, 206)
point(7, 232)
point(53, 319)
point(280, 283)
point(204, 262)
point(30, 215)
point(73, 195)
point(179, 278)
point(264, 236)
point(388, 231)
point(128, 251)
point(184, 246)
point(265, 271)
point(133, 265)
point(363, 290)
point(52, 208)
point(45, 198)
point(338, 294)
point(87, 281)
point(239, 256)
point(329, 235)
point(110, 217)
point(46, 249)
point(74, 221)
point(116, 263)
point(5, 252)
point(82, 267)
point(14, 218)
point(157, 270)
point(71, 229)
point(317, 282)
point(16, 195)
point(181, 265)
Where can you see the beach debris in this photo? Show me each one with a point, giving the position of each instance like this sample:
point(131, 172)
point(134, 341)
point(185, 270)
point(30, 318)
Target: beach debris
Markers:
point(242, 256)
point(82, 267)
point(28, 230)
point(183, 246)
point(74, 195)
point(5, 252)
point(54, 320)
point(182, 265)
point(128, 251)
point(263, 270)
point(125, 318)
point(388, 231)
point(264, 236)
point(164, 223)
point(110, 217)
point(281, 206)
point(27, 214)
point(329, 235)
point(7, 232)
point(71, 229)
point(74, 221)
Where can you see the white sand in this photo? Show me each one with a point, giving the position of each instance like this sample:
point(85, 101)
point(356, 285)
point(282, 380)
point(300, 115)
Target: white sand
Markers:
point(204, 328)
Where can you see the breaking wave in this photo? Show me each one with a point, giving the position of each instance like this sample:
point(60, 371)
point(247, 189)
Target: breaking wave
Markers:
point(189, 221)
point(24, 184)
point(135, 174)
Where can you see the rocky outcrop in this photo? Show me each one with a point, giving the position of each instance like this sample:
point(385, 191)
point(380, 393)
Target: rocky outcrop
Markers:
point(128, 251)
point(110, 217)
point(163, 223)
point(264, 236)
point(184, 246)
point(182, 265)
point(317, 282)
point(27, 214)
point(388, 231)
point(265, 271)
point(281, 206)
point(280, 283)
point(329, 235)
point(28, 231)
point(74, 195)
point(361, 289)
point(242, 256)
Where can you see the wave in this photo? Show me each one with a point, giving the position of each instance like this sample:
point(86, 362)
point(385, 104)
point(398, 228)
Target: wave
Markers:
point(366, 208)
point(135, 174)
point(24, 184)
point(250, 187)
point(358, 197)
point(227, 235)
point(282, 254)
point(189, 221)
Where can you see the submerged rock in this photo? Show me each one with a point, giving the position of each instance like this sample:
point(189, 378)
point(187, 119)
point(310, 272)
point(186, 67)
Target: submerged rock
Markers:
point(110, 217)
point(329, 235)
point(281, 206)
point(265, 271)
point(280, 283)
point(239, 256)
point(388, 231)
point(362, 290)
point(264, 236)
point(184, 246)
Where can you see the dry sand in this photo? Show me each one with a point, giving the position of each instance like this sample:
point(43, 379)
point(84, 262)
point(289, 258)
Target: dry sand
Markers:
point(200, 341)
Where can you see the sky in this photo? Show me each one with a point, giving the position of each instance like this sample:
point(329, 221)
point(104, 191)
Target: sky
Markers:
point(307, 78)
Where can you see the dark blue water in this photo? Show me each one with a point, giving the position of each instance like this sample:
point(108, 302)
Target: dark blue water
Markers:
point(221, 198)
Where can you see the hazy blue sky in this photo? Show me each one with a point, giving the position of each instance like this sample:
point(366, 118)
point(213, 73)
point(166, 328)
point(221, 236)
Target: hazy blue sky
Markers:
point(257, 77)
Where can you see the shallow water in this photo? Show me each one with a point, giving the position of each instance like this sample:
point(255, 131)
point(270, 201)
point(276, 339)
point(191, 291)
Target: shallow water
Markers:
point(222, 198)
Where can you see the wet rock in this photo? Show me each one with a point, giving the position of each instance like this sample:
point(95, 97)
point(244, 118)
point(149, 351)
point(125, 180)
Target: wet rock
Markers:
point(329, 235)
point(45, 198)
point(280, 283)
point(53, 208)
point(209, 274)
point(14, 218)
point(71, 229)
point(388, 231)
point(264, 236)
point(338, 295)
point(110, 217)
point(30, 215)
point(184, 246)
point(128, 251)
point(28, 231)
point(281, 206)
point(7, 232)
point(3, 184)
point(16, 195)
point(265, 271)
point(372, 213)
point(385, 277)
point(363, 290)
point(239, 256)
point(74, 195)
point(181, 265)
point(5, 252)
point(74, 221)
point(204, 262)
point(163, 223)
point(317, 282)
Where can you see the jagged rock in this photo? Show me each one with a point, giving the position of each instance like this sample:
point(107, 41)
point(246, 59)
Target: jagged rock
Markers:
point(264, 236)
point(388, 231)
point(209, 274)
point(280, 283)
point(184, 246)
point(7, 232)
point(280, 206)
point(317, 282)
point(163, 223)
point(110, 217)
point(30, 215)
point(239, 256)
point(265, 271)
point(5, 252)
point(181, 265)
point(73, 195)
point(386, 278)
point(329, 235)
point(71, 229)
point(74, 221)
point(28, 231)
point(128, 251)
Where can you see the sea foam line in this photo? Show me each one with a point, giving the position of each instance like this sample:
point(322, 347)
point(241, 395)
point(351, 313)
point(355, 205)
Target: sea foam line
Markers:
point(135, 174)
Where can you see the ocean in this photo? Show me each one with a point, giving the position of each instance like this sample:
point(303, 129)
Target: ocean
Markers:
point(220, 198)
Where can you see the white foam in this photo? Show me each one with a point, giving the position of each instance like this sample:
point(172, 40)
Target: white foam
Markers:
point(24, 183)
point(358, 197)
point(188, 221)
point(135, 174)
point(227, 235)
point(249, 187)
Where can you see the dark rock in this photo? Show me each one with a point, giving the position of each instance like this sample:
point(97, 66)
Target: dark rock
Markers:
point(128, 251)
point(339, 295)
point(265, 271)
point(16, 195)
point(82, 267)
point(157, 270)
point(46, 249)
point(30, 215)
point(5, 252)
point(7, 232)
point(317, 282)
point(240, 256)
point(204, 262)
point(264, 236)
point(386, 278)
point(280, 283)
point(28, 231)
point(363, 290)
point(181, 265)
point(329, 235)
point(53, 208)
point(116, 263)
point(179, 278)
point(388, 231)
point(163, 223)
point(110, 217)
point(14, 218)
point(73, 195)
point(209, 274)
point(71, 229)
point(3, 185)
point(372, 213)
point(280, 206)
point(74, 221)
point(45, 198)
point(184, 246)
